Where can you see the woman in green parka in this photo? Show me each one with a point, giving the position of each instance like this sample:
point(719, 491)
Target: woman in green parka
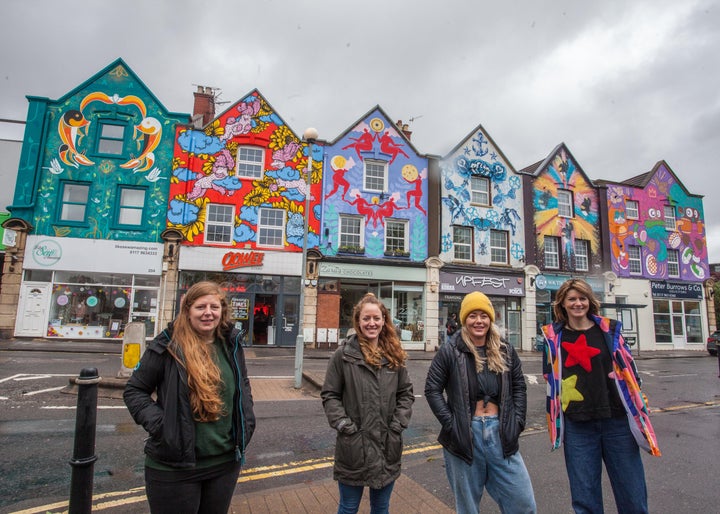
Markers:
point(368, 397)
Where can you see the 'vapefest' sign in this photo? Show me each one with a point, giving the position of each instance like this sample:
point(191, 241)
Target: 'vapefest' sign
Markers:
point(234, 260)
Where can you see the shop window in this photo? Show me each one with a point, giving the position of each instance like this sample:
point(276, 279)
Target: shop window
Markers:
point(131, 206)
point(635, 262)
point(632, 209)
point(396, 237)
point(581, 255)
point(219, 221)
point(375, 176)
point(111, 138)
point(565, 203)
point(480, 190)
point(73, 204)
point(663, 326)
point(250, 161)
point(673, 260)
point(351, 234)
point(462, 243)
point(552, 252)
point(498, 247)
point(669, 215)
point(271, 226)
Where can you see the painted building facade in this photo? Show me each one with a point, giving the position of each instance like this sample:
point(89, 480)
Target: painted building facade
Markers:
point(238, 198)
point(88, 211)
point(482, 237)
point(657, 242)
point(375, 225)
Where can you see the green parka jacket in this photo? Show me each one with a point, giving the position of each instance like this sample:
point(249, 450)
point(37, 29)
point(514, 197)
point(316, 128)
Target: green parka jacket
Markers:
point(369, 407)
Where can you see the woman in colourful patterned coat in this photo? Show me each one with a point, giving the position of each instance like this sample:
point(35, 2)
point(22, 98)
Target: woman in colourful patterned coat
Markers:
point(594, 404)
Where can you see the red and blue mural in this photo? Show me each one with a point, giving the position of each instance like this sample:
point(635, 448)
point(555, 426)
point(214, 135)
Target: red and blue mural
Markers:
point(479, 156)
point(648, 231)
point(205, 171)
point(395, 187)
point(563, 173)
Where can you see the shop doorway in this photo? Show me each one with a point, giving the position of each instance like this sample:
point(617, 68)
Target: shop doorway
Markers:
point(263, 327)
point(287, 328)
point(32, 310)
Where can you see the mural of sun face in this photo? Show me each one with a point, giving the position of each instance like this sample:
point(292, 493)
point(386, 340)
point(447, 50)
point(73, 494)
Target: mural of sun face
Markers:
point(410, 173)
point(377, 124)
point(338, 162)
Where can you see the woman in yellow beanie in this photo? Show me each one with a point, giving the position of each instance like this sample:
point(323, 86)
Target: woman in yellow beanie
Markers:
point(481, 375)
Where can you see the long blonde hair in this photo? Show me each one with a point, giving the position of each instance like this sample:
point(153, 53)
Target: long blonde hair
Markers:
point(388, 341)
point(493, 344)
point(192, 353)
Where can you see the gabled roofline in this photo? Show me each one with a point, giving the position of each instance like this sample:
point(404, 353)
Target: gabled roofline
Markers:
point(117, 62)
point(480, 128)
point(546, 161)
point(648, 176)
point(388, 118)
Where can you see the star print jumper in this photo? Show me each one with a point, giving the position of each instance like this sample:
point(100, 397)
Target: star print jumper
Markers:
point(622, 375)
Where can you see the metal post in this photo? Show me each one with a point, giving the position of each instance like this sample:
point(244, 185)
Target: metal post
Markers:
point(310, 136)
point(83, 459)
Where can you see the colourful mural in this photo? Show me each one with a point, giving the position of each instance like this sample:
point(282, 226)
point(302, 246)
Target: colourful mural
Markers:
point(648, 230)
point(205, 171)
point(402, 196)
point(562, 173)
point(478, 156)
point(72, 152)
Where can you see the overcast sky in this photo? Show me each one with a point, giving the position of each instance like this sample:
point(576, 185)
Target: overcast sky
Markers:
point(623, 83)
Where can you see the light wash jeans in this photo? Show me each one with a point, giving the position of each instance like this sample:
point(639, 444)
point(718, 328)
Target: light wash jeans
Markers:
point(506, 480)
point(350, 496)
point(590, 443)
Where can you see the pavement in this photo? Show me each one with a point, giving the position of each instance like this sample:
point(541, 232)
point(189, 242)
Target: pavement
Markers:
point(315, 497)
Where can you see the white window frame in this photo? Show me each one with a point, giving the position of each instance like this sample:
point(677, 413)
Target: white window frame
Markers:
point(582, 254)
point(247, 163)
point(565, 203)
point(463, 238)
point(271, 227)
point(673, 260)
point(632, 209)
point(669, 216)
point(371, 179)
point(551, 255)
point(354, 238)
point(111, 144)
point(480, 194)
point(634, 258)
point(496, 249)
point(399, 243)
point(217, 223)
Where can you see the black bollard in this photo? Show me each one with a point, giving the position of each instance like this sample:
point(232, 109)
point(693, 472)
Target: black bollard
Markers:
point(83, 459)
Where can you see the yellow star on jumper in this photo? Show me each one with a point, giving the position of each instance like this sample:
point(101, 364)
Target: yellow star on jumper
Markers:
point(569, 393)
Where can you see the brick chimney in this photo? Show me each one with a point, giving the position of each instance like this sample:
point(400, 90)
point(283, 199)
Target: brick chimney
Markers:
point(405, 128)
point(204, 109)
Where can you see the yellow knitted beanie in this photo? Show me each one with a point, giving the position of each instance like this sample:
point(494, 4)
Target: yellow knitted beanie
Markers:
point(476, 301)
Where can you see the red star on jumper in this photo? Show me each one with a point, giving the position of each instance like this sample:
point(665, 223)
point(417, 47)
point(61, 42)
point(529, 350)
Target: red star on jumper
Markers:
point(580, 353)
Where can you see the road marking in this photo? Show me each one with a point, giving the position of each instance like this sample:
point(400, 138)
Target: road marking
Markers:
point(69, 407)
point(532, 379)
point(29, 376)
point(31, 393)
point(268, 376)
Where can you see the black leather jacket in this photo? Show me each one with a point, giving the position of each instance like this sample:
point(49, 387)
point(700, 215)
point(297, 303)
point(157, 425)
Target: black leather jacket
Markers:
point(453, 371)
point(168, 420)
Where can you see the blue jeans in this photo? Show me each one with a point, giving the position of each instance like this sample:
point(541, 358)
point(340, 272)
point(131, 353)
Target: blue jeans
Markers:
point(350, 496)
point(590, 443)
point(506, 480)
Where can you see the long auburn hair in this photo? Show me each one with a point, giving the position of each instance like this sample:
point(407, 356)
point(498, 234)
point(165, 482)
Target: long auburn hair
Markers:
point(581, 287)
point(196, 356)
point(493, 344)
point(388, 341)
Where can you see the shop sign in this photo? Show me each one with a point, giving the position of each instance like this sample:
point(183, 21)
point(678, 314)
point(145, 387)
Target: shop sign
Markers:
point(234, 260)
point(350, 271)
point(553, 282)
point(499, 285)
point(687, 290)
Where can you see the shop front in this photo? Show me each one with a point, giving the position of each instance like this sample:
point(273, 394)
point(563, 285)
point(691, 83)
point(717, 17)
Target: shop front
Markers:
point(87, 288)
point(677, 314)
point(263, 294)
point(401, 289)
point(505, 290)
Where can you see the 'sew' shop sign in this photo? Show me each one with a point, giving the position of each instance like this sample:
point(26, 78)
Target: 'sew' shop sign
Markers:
point(93, 255)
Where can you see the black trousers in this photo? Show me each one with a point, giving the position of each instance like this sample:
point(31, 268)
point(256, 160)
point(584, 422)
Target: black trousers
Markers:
point(192, 491)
